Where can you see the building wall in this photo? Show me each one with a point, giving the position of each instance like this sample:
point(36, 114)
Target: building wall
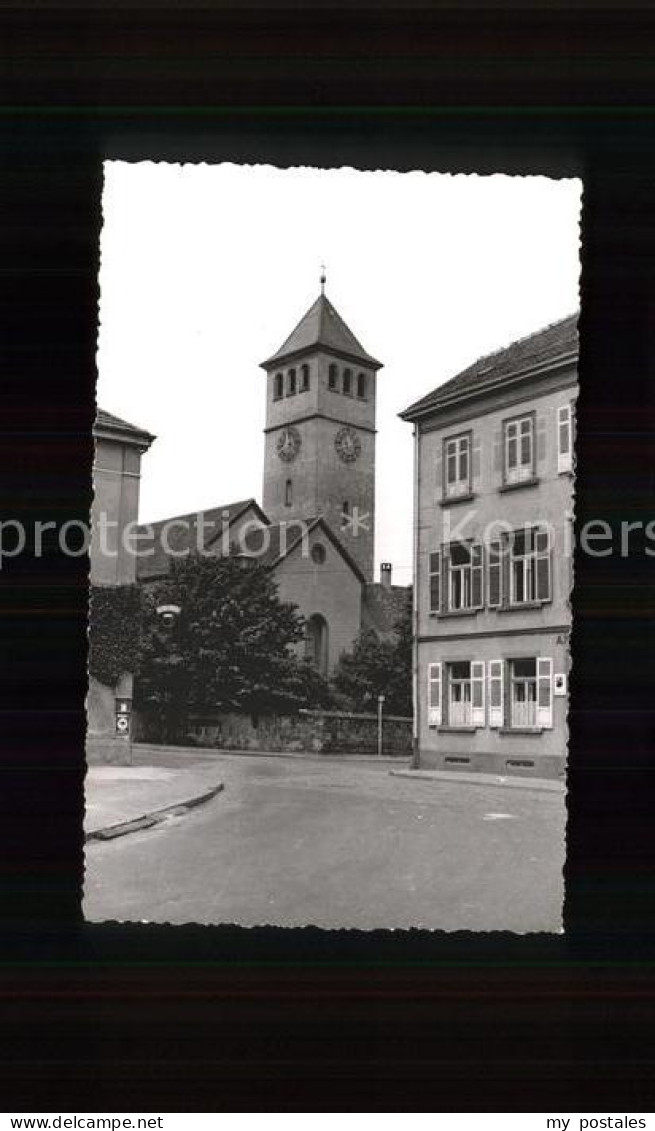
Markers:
point(330, 589)
point(311, 732)
point(321, 481)
point(491, 633)
point(490, 749)
point(116, 478)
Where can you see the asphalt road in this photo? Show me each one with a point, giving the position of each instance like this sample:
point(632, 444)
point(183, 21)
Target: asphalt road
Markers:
point(340, 844)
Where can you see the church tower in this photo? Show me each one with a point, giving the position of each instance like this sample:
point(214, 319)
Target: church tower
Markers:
point(320, 430)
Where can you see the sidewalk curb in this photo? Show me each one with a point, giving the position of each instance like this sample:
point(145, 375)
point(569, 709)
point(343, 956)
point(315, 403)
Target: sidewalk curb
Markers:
point(147, 820)
point(541, 785)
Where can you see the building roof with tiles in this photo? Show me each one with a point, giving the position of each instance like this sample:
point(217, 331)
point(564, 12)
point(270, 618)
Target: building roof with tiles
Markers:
point(553, 345)
point(187, 534)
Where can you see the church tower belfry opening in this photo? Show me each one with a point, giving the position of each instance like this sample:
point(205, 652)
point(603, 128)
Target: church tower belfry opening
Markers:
point(320, 430)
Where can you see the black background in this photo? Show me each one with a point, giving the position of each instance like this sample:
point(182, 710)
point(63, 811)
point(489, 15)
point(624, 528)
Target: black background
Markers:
point(129, 1018)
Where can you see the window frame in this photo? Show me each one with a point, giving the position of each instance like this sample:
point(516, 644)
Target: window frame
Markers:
point(461, 488)
point(292, 385)
point(347, 376)
point(304, 377)
point(529, 684)
point(333, 377)
point(473, 695)
point(525, 473)
point(469, 575)
point(531, 559)
point(361, 385)
point(278, 386)
point(542, 684)
point(464, 685)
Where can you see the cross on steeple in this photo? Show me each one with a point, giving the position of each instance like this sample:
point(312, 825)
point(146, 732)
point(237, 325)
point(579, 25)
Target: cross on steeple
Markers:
point(323, 278)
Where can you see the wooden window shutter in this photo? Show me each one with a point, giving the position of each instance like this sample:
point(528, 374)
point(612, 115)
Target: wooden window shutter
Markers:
point(543, 565)
point(544, 692)
point(445, 578)
point(541, 438)
point(496, 693)
point(477, 584)
point(564, 438)
point(477, 459)
point(434, 695)
point(495, 575)
point(435, 582)
point(498, 451)
point(477, 693)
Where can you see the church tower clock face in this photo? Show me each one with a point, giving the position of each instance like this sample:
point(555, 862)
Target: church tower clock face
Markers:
point(288, 444)
point(347, 444)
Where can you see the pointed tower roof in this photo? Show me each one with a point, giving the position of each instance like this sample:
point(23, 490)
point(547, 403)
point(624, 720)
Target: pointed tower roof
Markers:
point(322, 326)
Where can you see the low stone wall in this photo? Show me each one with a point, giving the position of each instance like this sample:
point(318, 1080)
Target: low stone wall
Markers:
point(313, 732)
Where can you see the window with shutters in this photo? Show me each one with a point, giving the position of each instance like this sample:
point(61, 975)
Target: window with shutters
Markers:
point(518, 448)
point(531, 693)
point(456, 578)
point(465, 705)
point(457, 465)
point(529, 566)
point(463, 565)
point(565, 437)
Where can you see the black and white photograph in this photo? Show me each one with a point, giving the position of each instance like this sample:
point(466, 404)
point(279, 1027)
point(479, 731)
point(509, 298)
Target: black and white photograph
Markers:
point(332, 548)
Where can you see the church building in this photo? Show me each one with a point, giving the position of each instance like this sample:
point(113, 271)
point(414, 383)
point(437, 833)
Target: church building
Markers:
point(315, 528)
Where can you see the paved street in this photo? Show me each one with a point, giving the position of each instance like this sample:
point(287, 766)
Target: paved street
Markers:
point(337, 844)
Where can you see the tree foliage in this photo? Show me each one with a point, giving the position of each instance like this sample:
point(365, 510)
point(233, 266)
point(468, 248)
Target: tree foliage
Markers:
point(229, 649)
point(379, 667)
point(114, 631)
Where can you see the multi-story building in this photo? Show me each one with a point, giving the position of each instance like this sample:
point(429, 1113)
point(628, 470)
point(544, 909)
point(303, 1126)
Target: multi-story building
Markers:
point(493, 533)
point(119, 447)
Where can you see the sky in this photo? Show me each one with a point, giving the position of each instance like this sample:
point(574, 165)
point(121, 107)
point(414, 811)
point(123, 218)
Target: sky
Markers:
point(206, 269)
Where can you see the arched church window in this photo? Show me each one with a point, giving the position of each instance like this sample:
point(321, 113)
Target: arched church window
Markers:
point(316, 642)
point(288, 493)
point(304, 377)
point(291, 382)
point(278, 388)
point(348, 382)
point(361, 384)
point(333, 373)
